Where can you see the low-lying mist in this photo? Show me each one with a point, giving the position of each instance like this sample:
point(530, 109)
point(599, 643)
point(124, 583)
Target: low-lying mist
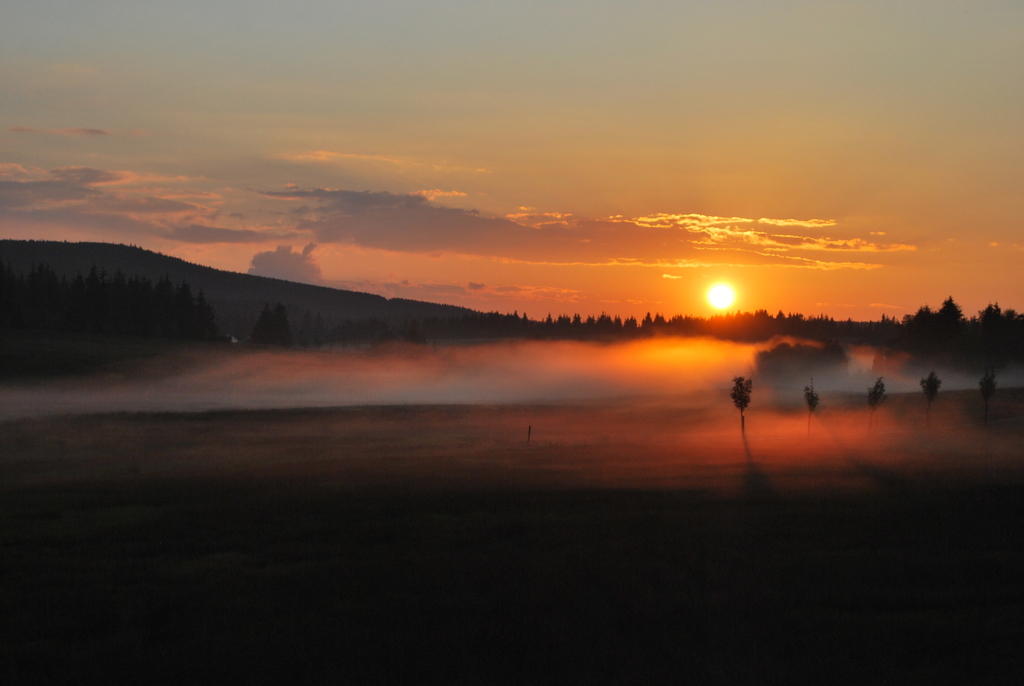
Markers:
point(509, 372)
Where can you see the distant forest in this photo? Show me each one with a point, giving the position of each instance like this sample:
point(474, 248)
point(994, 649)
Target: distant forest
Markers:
point(992, 337)
point(119, 304)
point(104, 304)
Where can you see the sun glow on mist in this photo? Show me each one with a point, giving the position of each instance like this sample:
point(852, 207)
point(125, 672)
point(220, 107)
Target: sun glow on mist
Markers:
point(721, 295)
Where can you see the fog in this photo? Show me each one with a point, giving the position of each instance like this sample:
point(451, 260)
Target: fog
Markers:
point(509, 372)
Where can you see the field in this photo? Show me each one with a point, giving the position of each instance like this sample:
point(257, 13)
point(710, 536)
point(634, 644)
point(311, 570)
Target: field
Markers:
point(630, 541)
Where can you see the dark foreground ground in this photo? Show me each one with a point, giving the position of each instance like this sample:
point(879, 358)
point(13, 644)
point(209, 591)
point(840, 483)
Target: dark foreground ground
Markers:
point(625, 545)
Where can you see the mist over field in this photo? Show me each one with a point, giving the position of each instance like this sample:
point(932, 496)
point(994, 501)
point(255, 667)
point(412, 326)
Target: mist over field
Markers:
point(399, 491)
point(697, 369)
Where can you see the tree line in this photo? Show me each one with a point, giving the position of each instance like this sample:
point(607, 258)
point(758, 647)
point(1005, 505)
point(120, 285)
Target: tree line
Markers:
point(104, 304)
point(993, 337)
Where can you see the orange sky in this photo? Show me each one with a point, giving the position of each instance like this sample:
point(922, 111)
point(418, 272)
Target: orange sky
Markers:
point(847, 158)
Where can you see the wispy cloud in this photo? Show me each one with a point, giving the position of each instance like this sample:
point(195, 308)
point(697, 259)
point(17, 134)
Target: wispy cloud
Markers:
point(128, 202)
point(79, 131)
point(436, 193)
point(783, 261)
point(471, 292)
point(539, 219)
point(806, 223)
point(119, 203)
point(727, 235)
point(332, 156)
point(11, 169)
point(731, 232)
point(411, 223)
point(662, 220)
point(205, 234)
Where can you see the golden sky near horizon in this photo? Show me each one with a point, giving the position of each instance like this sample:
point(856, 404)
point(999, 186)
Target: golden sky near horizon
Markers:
point(851, 158)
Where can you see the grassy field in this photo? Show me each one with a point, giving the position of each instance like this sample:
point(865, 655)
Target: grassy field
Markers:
point(627, 543)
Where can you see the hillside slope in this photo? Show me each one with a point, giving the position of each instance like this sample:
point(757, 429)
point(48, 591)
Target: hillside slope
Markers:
point(237, 298)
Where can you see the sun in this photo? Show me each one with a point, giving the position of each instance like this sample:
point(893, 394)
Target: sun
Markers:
point(721, 295)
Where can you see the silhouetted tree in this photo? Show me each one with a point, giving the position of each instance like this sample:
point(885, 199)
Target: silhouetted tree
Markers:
point(949, 321)
point(811, 398)
point(103, 304)
point(930, 385)
point(272, 327)
point(988, 388)
point(876, 396)
point(741, 388)
point(414, 334)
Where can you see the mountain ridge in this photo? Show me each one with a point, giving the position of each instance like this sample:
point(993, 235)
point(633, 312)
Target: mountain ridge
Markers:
point(236, 298)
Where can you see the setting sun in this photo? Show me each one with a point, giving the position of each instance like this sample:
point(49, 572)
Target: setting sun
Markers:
point(721, 295)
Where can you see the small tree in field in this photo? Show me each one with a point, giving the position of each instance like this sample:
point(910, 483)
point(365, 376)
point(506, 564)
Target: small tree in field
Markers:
point(741, 388)
point(988, 388)
point(930, 385)
point(811, 398)
point(876, 396)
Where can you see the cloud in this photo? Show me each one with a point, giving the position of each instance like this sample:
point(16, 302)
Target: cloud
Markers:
point(329, 156)
point(125, 203)
point(399, 222)
point(806, 223)
point(61, 132)
point(436, 193)
point(471, 292)
point(282, 263)
point(199, 233)
point(662, 220)
point(12, 169)
point(34, 194)
point(120, 204)
point(539, 293)
point(539, 219)
point(411, 223)
point(86, 176)
point(670, 276)
point(723, 232)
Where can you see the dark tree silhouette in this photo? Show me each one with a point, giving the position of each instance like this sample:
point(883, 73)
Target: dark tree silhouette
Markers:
point(103, 304)
point(272, 327)
point(930, 385)
point(988, 388)
point(876, 396)
point(811, 398)
point(741, 388)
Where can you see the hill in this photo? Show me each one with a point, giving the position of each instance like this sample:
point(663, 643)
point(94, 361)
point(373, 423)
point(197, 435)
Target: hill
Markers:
point(236, 298)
